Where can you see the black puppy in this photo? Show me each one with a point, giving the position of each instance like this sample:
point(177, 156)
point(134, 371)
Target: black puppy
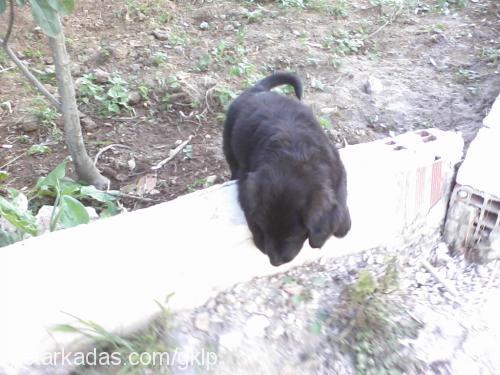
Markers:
point(292, 183)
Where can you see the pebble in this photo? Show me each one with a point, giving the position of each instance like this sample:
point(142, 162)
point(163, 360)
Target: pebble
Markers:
point(256, 326)
point(160, 34)
point(202, 321)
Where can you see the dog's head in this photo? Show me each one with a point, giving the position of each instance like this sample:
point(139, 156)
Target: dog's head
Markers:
point(282, 211)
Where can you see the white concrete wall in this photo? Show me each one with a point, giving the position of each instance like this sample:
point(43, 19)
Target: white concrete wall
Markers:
point(111, 271)
point(480, 167)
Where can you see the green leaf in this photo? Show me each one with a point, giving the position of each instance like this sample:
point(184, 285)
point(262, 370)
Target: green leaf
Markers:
point(46, 17)
point(20, 219)
point(72, 212)
point(3, 5)
point(51, 179)
point(66, 328)
point(64, 7)
point(99, 195)
point(4, 174)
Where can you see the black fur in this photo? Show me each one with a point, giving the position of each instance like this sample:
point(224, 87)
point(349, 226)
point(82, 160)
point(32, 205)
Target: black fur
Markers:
point(292, 183)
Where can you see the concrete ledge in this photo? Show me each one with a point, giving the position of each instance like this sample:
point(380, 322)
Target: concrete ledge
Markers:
point(111, 271)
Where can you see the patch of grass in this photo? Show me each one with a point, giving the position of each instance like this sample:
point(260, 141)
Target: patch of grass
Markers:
point(343, 42)
point(124, 350)
point(203, 64)
point(4, 59)
point(373, 322)
point(159, 59)
point(224, 96)
point(144, 92)
point(445, 5)
point(179, 38)
point(326, 124)
point(243, 69)
point(436, 28)
point(463, 76)
point(491, 54)
point(254, 16)
point(38, 150)
point(33, 53)
point(46, 115)
point(228, 53)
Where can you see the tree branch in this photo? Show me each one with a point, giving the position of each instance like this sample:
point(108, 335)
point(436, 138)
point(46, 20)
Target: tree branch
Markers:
point(51, 98)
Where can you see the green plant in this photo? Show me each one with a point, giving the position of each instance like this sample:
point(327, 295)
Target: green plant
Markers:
point(38, 150)
point(466, 75)
point(374, 320)
point(32, 53)
point(326, 124)
point(344, 42)
point(112, 97)
point(144, 92)
point(179, 38)
point(224, 96)
point(445, 5)
point(242, 69)
point(254, 16)
point(159, 58)
point(68, 210)
point(46, 115)
point(227, 53)
point(203, 64)
point(149, 340)
point(491, 54)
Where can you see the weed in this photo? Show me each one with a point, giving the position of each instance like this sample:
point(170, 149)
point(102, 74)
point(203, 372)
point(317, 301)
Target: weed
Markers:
point(225, 53)
point(38, 150)
point(165, 17)
point(254, 16)
point(491, 54)
point(326, 124)
point(23, 138)
point(465, 76)
point(436, 28)
point(112, 97)
point(445, 5)
point(243, 69)
point(31, 53)
point(106, 343)
point(3, 58)
point(224, 96)
point(203, 64)
point(200, 183)
point(144, 92)
point(179, 38)
point(318, 85)
point(46, 115)
point(46, 76)
point(344, 42)
point(374, 321)
point(159, 59)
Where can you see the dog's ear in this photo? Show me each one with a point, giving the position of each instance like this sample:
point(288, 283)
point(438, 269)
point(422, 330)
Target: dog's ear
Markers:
point(341, 221)
point(318, 217)
point(249, 192)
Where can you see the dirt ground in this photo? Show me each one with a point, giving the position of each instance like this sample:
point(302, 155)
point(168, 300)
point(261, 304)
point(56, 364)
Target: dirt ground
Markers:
point(370, 70)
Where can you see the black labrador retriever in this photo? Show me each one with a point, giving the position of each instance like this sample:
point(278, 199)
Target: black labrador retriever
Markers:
point(292, 183)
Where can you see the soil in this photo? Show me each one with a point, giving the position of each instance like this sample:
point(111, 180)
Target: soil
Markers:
point(369, 71)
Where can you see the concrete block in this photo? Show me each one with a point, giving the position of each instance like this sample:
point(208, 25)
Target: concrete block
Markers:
point(112, 271)
point(473, 222)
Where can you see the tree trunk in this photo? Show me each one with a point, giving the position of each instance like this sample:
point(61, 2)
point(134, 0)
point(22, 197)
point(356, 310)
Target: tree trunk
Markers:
point(84, 167)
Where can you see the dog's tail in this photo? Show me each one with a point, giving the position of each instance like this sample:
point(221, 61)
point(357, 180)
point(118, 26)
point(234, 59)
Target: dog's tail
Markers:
point(278, 79)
